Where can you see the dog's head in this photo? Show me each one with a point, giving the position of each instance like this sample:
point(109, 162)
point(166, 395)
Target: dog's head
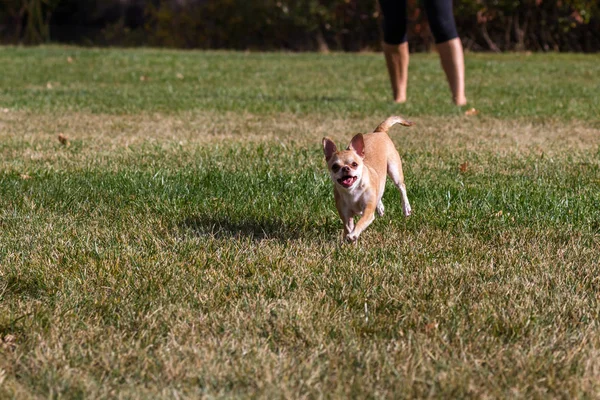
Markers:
point(345, 166)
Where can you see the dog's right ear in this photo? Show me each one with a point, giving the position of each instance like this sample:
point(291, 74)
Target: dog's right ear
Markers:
point(328, 148)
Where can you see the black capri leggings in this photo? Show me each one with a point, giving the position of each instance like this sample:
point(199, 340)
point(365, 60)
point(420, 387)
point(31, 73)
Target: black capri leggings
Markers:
point(439, 14)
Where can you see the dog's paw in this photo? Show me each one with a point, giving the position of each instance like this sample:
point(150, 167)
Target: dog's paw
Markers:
point(351, 237)
point(407, 211)
point(380, 209)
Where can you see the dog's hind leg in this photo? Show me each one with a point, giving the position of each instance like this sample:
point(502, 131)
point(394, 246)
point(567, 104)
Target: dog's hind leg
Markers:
point(405, 204)
point(394, 170)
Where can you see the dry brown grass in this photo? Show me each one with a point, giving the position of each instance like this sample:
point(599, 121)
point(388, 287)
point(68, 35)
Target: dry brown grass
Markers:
point(459, 132)
point(34, 136)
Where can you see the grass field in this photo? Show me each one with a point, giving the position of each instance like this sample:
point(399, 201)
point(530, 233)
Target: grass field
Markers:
point(185, 243)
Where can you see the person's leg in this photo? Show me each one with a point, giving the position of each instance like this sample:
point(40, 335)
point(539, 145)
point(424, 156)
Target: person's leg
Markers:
point(449, 46)
point(395, 46)
point(396, 59)
point(452, 59)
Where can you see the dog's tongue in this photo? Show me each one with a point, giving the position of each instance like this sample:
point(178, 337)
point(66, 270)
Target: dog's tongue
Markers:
point(347, 182)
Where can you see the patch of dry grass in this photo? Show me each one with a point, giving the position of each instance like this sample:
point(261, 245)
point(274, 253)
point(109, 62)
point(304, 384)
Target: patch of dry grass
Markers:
point(98, 136)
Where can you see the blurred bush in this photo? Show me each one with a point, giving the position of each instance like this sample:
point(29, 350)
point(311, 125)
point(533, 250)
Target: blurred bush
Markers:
point(560, 25)
point(26, 20)
point(264, 24)
point(351, 25)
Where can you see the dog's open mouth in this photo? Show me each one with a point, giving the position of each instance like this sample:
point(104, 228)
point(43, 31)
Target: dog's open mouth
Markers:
point(347, 181)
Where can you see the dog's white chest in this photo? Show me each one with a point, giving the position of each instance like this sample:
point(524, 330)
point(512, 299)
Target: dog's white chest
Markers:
point(356, 201)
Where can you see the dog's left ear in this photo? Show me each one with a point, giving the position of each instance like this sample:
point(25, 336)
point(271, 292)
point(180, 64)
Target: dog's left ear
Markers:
point(328, 148)
point(358, 144)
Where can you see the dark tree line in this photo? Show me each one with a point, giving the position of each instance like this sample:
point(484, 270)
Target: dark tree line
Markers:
point(351, 25)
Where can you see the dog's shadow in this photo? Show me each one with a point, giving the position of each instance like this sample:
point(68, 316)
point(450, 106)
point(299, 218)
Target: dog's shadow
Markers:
point(256, 229)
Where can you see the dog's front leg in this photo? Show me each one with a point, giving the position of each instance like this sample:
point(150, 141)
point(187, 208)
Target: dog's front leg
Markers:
point(364, 221)
point(346, 216)
point(348, 225)
point(348, 221)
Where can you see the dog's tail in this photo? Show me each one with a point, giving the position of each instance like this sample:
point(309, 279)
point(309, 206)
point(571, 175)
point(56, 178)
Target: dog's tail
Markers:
point(391, 121)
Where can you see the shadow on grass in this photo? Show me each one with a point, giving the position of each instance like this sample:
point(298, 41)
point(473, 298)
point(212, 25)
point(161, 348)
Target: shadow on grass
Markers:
point(253, 228)
point(31, 287)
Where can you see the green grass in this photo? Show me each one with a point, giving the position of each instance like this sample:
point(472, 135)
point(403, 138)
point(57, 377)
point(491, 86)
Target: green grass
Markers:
point(108, 81)
point(185, 243)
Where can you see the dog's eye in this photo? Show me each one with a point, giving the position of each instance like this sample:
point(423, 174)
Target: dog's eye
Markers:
point(335, 168)
point(355, 164)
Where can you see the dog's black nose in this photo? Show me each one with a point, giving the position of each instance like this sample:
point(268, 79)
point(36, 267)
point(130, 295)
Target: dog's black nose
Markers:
point(346, 169)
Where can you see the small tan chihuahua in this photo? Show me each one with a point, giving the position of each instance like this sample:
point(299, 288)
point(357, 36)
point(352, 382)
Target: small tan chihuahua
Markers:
point(358, 175)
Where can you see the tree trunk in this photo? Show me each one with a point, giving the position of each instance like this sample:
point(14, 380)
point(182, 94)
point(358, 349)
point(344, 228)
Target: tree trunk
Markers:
point(321, 42)
point(507, 43)
point(520, 34)
point(487, 38)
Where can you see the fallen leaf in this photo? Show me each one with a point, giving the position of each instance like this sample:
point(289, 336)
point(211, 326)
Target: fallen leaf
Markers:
point(5, 110)
point(464, 167)
point(144, 78)
point(471, 111)
point(63, 139)
point(25, 176)
point(498, 214)
point(431, 327)
point(179, 76)
point(49, 85)
point(69, 60)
